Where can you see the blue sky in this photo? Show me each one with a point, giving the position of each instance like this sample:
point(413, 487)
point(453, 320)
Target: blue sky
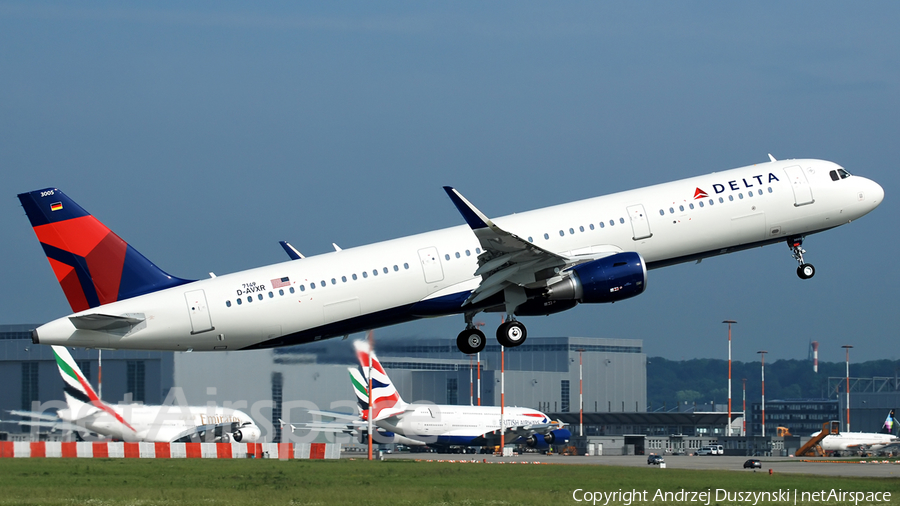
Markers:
point(204, 133)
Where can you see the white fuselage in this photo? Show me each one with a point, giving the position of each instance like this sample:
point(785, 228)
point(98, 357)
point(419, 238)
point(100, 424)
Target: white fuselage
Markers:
point(380, 284)
point(857, 441)
point(463, 425)
point(155, 423)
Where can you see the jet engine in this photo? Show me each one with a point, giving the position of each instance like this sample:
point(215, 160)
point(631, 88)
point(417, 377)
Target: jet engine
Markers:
point(609, 279)
point(558, 436)
point(537, 441)
point(543, 441)
point(246, 434)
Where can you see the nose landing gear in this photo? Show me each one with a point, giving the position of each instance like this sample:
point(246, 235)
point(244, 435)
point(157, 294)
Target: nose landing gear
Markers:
point(804, 270)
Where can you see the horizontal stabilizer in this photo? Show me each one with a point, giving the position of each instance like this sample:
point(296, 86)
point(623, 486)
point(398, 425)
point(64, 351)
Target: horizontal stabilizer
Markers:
point(103, 321)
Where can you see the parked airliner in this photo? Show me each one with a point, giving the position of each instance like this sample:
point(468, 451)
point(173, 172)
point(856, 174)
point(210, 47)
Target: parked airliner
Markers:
point(862, 441)
point(435, 425)
point(531, 263)
point(85, 411)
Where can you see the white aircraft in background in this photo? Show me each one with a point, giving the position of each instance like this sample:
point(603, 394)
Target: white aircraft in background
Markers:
point(532, 263)
point(137, 422)
point(435, 425)
point(862, 441)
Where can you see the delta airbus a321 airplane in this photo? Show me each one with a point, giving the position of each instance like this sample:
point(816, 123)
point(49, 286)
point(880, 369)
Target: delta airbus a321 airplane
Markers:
point(532, 263)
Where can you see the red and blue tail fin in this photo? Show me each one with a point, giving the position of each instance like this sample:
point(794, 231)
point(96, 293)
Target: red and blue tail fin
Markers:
point(93, 265)
point(386, 401)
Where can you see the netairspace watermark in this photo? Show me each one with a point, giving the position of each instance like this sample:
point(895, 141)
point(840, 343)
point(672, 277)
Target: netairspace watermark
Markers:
point(721, 495)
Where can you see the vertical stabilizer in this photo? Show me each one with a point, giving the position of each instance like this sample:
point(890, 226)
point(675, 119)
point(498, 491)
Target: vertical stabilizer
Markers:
point(93, 265)
point(386, 400)
point(890, 423)
point(80, 396)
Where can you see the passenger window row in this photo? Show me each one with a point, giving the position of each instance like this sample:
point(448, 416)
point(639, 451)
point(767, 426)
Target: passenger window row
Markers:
point(457, 255)
point(571, 230)
point(312, 286)
point(711, 202)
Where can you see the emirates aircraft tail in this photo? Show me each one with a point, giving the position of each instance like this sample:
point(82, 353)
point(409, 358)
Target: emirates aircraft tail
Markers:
point(81, 398)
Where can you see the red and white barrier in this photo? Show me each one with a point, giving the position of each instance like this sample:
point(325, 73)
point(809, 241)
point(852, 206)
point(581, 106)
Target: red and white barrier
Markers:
point(24, 449)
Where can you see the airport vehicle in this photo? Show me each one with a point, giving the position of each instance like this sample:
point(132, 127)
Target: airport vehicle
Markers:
point(438, 426)
point(711, 450)
point(862, 441)
point(752, 464)
point(655, 459)
point(532, 263)
point(137, 422)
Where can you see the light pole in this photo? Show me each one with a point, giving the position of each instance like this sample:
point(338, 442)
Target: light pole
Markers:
point(502, 398)
point(744, 409)
point(728, 428)
point(847, 347)
point(580, 395)
point(763, 355)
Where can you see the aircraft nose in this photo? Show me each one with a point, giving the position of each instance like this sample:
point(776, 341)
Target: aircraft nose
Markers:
point(876, 194)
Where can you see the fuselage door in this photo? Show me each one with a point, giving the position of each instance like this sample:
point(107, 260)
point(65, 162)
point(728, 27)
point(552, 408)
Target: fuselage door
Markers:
point(200, 319)
point(431, 265)
point(800, 185)
point(639, 223)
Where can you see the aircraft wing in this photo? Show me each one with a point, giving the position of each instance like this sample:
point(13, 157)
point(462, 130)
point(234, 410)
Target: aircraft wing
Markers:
point(38, 419)
point(32, 414)
point(511, 260)
point(527, 430)
point(335, 414)
point(350, 427)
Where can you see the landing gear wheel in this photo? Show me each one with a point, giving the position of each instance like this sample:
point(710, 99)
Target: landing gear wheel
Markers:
point(511, 334)
point(470, 341)
point(806, 271)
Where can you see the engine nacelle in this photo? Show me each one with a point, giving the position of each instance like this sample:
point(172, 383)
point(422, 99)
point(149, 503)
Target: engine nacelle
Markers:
point(537, 441)
point(540, 306)
point(610, 279)
point(558, 437)
point(246, 434)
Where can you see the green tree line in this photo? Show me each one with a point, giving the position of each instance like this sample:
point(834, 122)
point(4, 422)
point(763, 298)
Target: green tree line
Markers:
point(706, 380)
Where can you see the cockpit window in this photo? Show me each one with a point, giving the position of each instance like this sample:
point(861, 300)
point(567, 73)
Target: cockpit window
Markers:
point(839, 174)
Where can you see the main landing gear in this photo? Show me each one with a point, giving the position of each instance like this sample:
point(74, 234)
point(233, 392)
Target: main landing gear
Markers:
point(804, 270)
point(510, 334)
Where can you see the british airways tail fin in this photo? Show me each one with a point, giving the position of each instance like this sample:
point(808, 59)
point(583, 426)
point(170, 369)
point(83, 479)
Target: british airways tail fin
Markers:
point(386, 401)
point(93, 265)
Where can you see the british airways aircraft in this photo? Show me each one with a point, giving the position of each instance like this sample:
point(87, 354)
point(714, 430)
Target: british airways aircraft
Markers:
point(532, 263)
point(440, 426)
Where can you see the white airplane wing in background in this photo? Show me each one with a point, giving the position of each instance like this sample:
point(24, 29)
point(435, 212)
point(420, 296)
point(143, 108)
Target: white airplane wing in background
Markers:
point(37, 419)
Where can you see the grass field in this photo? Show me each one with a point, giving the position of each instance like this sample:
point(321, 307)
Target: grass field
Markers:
point(359, 482)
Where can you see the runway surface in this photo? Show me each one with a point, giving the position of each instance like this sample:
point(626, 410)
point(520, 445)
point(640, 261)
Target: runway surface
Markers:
point(820, 467)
